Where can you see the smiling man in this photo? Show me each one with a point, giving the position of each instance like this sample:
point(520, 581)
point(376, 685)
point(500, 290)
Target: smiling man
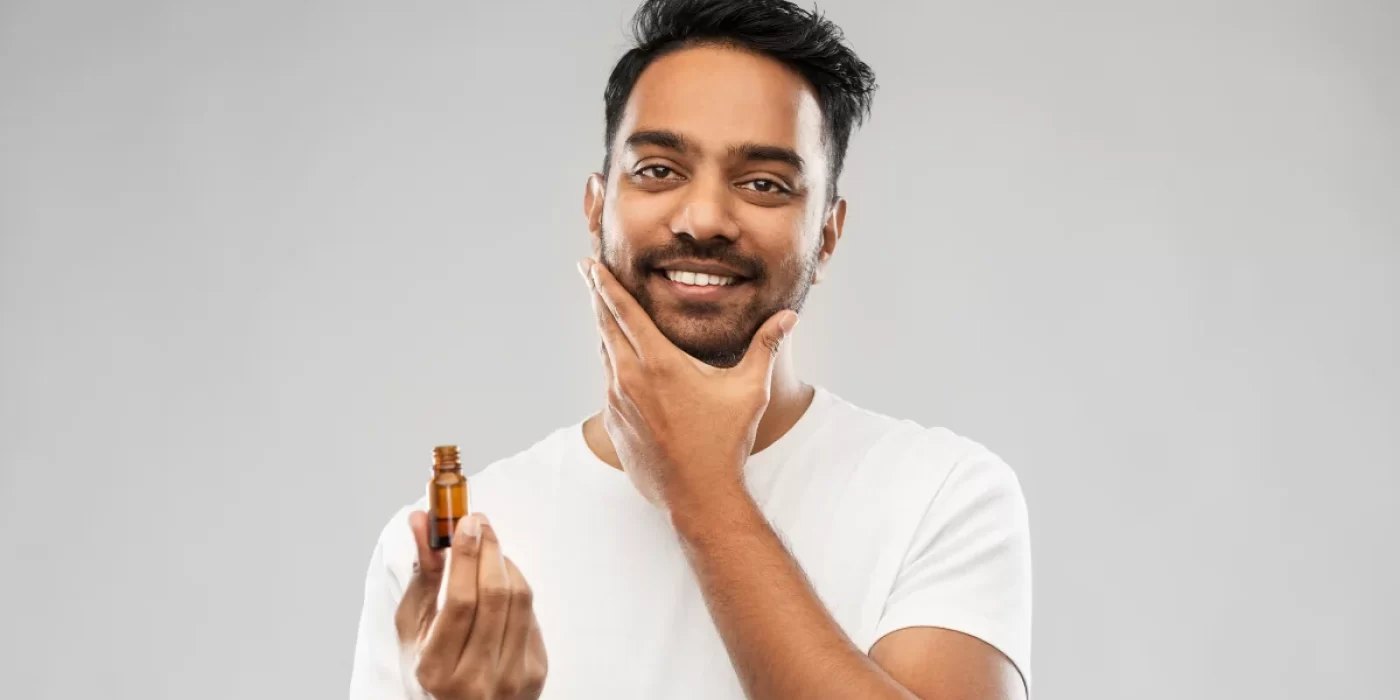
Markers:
point(720, 529)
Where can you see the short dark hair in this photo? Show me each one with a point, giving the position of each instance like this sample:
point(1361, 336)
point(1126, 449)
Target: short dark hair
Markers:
point(804, 41)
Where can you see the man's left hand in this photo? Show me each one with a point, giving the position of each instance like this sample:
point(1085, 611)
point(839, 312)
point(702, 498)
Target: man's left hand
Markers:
point(681, 428)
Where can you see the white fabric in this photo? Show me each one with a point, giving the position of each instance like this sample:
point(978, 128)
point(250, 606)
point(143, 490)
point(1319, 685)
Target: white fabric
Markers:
point(894, 524)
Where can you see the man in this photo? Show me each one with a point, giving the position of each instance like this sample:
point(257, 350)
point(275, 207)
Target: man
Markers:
point(720, 529)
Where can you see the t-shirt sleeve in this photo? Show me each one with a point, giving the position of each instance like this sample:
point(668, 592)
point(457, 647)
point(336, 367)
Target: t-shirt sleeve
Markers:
point(968, 567)
point(379, 668)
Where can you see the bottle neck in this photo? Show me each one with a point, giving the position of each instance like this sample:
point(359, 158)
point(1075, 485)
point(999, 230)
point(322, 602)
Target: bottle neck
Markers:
point(445, 458)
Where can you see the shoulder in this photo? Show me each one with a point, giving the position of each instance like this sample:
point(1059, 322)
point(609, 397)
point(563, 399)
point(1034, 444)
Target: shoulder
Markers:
point(943, 465)
point(969, 463)
point(971, 475)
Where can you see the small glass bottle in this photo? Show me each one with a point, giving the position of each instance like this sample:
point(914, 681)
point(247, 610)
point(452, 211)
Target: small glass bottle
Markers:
point(447, 497)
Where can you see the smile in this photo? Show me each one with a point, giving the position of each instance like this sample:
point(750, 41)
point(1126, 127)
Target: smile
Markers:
point(699, 279)
point(687, 285)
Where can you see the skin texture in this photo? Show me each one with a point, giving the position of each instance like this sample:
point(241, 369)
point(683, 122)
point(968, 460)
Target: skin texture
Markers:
point(693, 390)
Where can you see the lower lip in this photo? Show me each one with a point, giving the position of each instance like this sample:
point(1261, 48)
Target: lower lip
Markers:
point(712, 292)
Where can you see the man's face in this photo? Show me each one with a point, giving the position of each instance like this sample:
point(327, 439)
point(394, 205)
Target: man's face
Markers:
point(718, 167)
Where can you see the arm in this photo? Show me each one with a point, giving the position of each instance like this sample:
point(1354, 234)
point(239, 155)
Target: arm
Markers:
point(784, 644)
point(781, 640)
point(682, 431)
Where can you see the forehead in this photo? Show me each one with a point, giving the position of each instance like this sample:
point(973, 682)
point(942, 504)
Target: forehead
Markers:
point(719, 96)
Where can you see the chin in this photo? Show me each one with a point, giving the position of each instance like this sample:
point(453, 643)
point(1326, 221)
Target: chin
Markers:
point(722, 359)
point(717, 352)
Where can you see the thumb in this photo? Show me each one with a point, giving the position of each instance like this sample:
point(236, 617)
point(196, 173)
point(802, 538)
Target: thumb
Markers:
point(418, 606)
point(430, 562)
point(769, 339)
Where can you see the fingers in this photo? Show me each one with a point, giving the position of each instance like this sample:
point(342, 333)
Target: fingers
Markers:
point(518, 621)
point(453, 625)
point(632, 320)
point(614, 340)
point(607, 362)
point(636, 324)
point(483, 648)
point(763, 349)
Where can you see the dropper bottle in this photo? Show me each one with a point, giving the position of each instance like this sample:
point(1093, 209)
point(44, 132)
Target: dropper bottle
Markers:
point(447, 496)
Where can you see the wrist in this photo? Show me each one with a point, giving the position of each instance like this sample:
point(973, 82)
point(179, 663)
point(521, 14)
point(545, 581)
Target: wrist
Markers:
point(717, 505)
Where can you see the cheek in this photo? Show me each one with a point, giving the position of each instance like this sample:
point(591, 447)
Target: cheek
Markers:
point(779, 236)
point(634, 215)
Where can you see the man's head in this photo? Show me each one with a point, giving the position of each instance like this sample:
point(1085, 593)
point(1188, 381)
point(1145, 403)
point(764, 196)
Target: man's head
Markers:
point(726, 131)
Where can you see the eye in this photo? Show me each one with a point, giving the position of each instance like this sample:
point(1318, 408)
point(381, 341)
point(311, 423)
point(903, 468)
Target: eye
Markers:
point(763, 186)
point(659, 172)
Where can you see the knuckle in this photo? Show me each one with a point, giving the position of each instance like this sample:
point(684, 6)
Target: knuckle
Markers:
point(460, 602)
point(758, 396)
point(509, 686)
point(524, 596)
point(626, 376)
point(536, 668)
point(523, 587)
point(433, 677)
point(466, 547)
point(481, 686)
point(495, 597)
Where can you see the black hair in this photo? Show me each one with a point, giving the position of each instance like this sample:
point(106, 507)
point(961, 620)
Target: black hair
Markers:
point(803, 40)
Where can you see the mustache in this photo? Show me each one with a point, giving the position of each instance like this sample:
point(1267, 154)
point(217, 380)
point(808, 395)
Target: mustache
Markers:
point(721, 251)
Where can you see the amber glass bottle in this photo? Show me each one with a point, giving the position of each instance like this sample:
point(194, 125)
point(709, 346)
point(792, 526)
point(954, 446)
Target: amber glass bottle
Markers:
point(447, 496)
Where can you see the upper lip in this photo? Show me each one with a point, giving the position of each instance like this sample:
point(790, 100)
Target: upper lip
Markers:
point(705, 266)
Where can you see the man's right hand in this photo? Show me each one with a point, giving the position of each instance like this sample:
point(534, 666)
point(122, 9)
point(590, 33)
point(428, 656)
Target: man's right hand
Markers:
point(484, 644)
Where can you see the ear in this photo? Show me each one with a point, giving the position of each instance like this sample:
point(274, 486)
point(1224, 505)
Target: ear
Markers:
point(831, 234)
point(593, 208)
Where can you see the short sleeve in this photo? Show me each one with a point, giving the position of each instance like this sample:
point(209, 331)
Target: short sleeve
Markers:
point(378, 669)
point(968, 567)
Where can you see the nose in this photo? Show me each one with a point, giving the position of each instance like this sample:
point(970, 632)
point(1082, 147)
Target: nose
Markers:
point(705, 212)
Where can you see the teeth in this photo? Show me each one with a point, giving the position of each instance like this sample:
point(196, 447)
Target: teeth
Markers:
point(698, 279)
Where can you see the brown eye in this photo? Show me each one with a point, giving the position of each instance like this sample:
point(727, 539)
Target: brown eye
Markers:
point(766, 187)
point(658, 171)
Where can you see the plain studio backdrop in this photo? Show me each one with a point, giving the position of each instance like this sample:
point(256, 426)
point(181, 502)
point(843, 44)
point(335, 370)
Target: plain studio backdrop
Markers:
point(259, 257)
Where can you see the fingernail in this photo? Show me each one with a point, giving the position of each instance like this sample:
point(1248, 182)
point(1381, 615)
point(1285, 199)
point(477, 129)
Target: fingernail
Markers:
point(788, 322)
point(470, 529)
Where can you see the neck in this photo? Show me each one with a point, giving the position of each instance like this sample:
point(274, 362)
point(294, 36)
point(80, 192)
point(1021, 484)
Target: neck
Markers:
point(788, 399)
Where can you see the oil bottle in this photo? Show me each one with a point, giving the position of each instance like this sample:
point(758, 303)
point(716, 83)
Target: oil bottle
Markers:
point(447, 496)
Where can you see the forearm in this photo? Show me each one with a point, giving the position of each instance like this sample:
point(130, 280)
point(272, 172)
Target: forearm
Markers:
point(781, 640)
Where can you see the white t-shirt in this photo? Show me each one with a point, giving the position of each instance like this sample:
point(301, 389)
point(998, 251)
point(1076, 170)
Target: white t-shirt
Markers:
point(895, 526)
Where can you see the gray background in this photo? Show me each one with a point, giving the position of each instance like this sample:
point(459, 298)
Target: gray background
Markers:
point(259, 257)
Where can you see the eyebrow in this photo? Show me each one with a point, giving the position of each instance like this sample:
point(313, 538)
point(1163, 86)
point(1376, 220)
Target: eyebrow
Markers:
point(746, 151)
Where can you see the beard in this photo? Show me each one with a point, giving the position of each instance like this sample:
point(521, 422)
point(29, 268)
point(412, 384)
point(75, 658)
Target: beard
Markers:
point(716, 333)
